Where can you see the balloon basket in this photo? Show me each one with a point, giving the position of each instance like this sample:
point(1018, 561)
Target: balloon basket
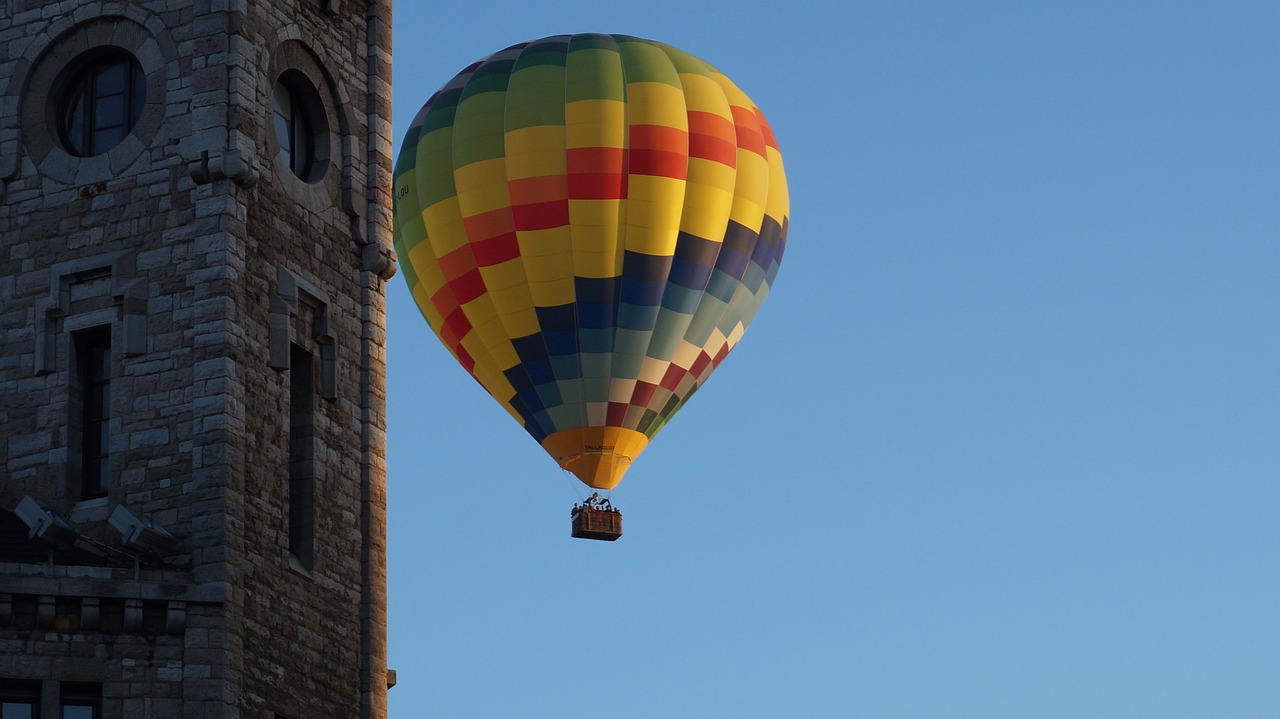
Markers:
point(599, 524)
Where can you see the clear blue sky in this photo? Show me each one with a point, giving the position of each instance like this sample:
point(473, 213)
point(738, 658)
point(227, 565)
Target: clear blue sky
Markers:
point(1003, 442)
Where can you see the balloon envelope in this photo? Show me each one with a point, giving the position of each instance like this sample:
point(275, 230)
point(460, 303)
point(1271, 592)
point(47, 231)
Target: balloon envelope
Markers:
point(589, 223)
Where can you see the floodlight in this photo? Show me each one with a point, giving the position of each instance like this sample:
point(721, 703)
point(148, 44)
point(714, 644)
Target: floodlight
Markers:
point(139, 533)
point(46, 523)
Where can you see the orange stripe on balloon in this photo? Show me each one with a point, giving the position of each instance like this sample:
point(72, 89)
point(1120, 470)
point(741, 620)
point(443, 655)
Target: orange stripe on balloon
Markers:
point(657, 137)
point(444, 301)
point(533, 190)
point(457, 263)
point(487, 225)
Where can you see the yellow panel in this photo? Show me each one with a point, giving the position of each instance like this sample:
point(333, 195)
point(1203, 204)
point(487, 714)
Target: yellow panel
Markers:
point(703, 94)
point(656, 103)
point(445, 231)
point(510, 300)
point(552, 293)
point(497, 344)
point(598, 456)
point(595, 123)
point(482, 186)
point(544, 243)
point(595, 213)
point(548, 266)
point(779, 202)
point(654, 206)
point(521, 323)
point(732, 93)
point(535, 151)
point(422, 297)
point(751, 191)
point(596, 264)
point(503, 276)
point(707, 206)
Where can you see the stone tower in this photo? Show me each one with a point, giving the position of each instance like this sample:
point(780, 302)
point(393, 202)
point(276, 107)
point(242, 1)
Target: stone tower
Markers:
point(194, 245)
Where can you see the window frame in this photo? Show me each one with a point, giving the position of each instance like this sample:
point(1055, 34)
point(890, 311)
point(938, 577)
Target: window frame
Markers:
point(81, 99)
point(19, 693)
point(302, 129)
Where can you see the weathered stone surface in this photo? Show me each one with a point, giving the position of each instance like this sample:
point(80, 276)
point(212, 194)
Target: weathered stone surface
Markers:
point(207, 215)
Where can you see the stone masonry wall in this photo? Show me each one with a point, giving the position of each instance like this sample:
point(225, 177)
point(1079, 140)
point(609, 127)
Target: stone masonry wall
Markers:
point(200, 249)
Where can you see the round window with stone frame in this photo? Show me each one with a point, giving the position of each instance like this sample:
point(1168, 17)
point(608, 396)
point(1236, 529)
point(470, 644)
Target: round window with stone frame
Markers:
point(301, 126)
point(101, 101)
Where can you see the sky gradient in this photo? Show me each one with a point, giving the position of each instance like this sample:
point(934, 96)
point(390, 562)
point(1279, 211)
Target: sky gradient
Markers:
point(1004, 441)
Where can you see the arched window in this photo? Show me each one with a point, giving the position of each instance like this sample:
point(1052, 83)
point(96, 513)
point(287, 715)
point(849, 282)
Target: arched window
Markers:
point(102, 102)
point(293, 123)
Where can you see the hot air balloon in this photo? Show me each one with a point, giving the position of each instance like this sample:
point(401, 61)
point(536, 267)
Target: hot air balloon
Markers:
point(589, 223)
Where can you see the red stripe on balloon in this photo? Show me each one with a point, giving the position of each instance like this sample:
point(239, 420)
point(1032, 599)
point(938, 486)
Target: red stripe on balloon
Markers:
point(749, 137)
point(496, 250)
point(700, 364)
point(671, 380)
point(660, 163)
point(467, 361)
point(724, 352)
point(541, 215)
point(616, 413)
point(455, 327)
point(658, 150)
point(712, 137)
point(596, 173)
point(468, 287)
point(643, 394)
point(769, 138)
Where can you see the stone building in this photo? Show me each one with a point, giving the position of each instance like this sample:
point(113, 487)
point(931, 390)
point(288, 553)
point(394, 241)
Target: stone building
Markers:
point(195, 238)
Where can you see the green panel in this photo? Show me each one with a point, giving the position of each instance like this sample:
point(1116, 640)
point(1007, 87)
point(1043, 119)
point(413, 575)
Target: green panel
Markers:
point(435, 175)
point(442, 111)
point(478, 129)
point(535, 97)
point(642, 61)
point(594, 71)
point(684, 62)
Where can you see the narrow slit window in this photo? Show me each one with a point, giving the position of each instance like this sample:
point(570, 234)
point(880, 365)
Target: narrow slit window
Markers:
point(302, 459)
point(93, 369)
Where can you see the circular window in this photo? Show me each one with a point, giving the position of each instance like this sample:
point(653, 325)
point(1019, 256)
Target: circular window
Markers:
point(101, 102)
point(300, 126)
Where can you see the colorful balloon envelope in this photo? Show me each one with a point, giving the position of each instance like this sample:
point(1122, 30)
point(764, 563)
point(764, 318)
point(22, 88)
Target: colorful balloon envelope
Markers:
point(589, 223)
